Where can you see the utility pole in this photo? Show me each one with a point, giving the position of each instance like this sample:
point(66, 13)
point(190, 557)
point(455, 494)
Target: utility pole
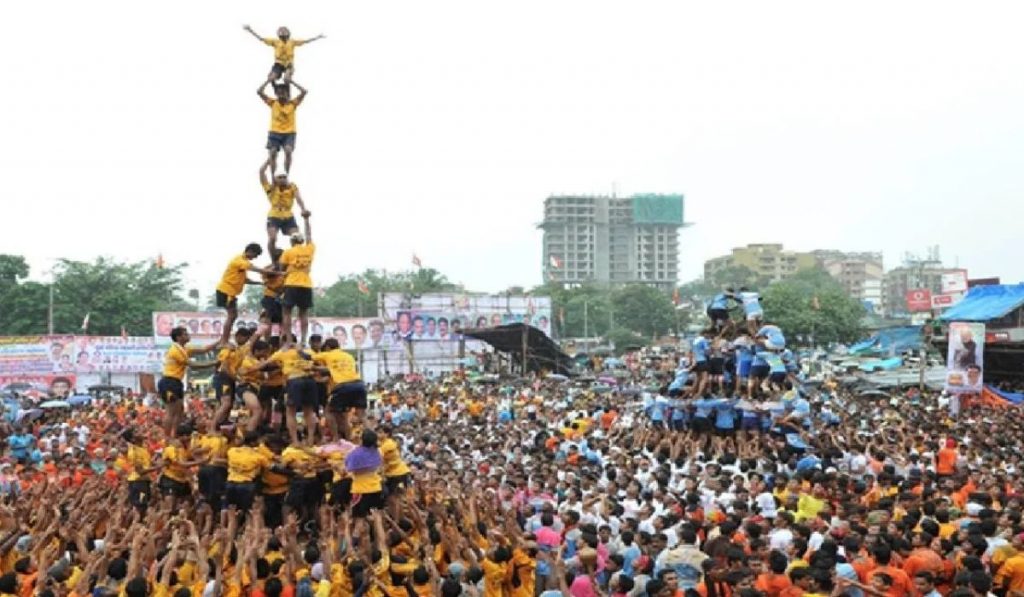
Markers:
point(49, 313)
point(586, 329)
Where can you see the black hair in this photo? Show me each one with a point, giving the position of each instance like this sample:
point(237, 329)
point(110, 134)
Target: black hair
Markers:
point(254, 248)
point(331, 344)
point(178, 332)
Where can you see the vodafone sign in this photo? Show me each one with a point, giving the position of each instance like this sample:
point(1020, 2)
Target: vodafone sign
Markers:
point(919, 299)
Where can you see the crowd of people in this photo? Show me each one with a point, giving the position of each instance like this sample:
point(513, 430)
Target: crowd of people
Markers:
point(719, 472)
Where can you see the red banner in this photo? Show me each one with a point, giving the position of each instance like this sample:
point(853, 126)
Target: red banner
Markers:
point(57, 386)
point(919, 299)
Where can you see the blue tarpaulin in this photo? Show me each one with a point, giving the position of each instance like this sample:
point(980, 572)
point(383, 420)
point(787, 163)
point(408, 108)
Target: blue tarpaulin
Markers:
point(890, 341)
point(984, 303)
point(1011, 397)
point(881, 364)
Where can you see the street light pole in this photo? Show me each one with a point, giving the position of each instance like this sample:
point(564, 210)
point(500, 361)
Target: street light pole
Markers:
point(49, 313)
point(586, 330)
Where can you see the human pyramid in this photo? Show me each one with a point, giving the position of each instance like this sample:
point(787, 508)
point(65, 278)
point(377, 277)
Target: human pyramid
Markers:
point(272, 372)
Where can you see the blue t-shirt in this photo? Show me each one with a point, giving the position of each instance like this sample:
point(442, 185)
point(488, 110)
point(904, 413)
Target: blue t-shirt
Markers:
point(725, 413)
point(774, 335)
point(775, 362)
point(19, 445)
point(702, 407)
point(790, 360)
point(757, 358)
point(701, 346)
point(657, 412)
point(751, 304)
point(721, 301)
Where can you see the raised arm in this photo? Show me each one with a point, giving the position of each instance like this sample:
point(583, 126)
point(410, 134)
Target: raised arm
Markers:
point(302, 92)
point(308, 230)
point(263, 96)
point(254, 34)
point(302, 204)
point(310, 40)
point(264, 182)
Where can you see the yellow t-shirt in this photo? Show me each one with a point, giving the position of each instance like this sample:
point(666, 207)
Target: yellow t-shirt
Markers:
point(176, 361)
point(282, 116)
point(394, 466)
point(281, 200)
point(138, 457)
point(284, 51)
point(300, 461)
point(366, 482)
point(341, 364)
point(215, 448)
point(244, 463)
point(272, 285)
point(299, 262)
point(272, 483)
point(494, 577)
point(249, 371)
point(275, 378)
point(232, 281)
point(294, 363)
point(173, 456)
point(231, 358)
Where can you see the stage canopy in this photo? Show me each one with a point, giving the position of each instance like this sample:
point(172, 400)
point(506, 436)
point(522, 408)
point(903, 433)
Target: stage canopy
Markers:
point(515, 339)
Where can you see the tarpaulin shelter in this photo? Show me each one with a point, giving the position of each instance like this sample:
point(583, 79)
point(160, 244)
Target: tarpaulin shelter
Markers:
point(995, 397)
point(984, 303)
point(890, 341)
point(523, 341)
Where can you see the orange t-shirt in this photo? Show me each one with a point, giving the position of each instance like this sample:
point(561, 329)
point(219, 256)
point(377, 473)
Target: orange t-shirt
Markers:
point(772, 585)
point(945, 461)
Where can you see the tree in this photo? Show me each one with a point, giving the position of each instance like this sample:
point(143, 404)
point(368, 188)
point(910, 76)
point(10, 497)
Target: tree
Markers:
point(345, 299)
point(812, 305)
point(643, 309)
point(12, 269)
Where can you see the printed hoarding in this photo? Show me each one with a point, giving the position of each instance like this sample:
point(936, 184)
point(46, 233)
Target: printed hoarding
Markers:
point(965, 358)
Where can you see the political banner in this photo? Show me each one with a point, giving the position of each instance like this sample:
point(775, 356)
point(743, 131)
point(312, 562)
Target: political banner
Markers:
point(55, 386)
point(954, 281)
point(965, 358)
point(35, 355)
point(441, 317)
point(351, 333)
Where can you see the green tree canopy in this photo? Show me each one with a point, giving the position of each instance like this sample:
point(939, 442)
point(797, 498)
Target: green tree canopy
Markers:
point(812, 304)
point(644, 310)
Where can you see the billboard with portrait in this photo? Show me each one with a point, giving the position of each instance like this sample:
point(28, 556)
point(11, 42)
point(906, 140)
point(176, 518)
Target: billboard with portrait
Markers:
point(351, 333)
point(965, 358)
point(441, 317)
point(80, 355)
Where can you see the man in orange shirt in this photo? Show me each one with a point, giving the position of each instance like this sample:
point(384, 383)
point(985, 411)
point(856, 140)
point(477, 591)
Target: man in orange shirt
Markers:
point(773, 583)
point(901, 584)
point(945, 460)
point(923, 558)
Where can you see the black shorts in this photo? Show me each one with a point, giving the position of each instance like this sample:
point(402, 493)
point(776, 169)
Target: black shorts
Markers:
point(138, 493)
point(718, 314)
point(302, 393)
point(170, 389)
point(341, 493)
point(212, 481)
point(348, 396)
point(303, 492)
point(271, 309)
point(716, 366)
point(321, 393)
point(760, 371)
point(701, 424)
point(282, 224)
point(244, 388)
point(363, 503)
point(393, 485)
point(273, 510)
point(701, 367)
point(240, 495)
point(223, 386)
point(169, 486)
point(297, 296)
point(777, 377)
point(271, 393)
point(226, 302)
point(277, 141)
point(278, 70)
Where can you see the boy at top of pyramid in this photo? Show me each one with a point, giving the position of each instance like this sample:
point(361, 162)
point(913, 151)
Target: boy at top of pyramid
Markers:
point(284, 52)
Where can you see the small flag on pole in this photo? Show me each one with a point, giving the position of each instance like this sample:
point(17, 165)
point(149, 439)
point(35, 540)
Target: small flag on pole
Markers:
point(675, 296)
point(160, 261)
point(85, 323)
point(555, 262)
point(124, 332)
point(363, 288)
point(416, 260)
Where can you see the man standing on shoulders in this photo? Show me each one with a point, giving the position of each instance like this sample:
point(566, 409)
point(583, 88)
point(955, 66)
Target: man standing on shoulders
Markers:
point(171, 386)
point(298, 284)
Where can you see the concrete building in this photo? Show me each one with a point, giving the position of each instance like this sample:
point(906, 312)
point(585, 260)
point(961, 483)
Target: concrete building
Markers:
point(914, 274)
point(860, 274)
point(768, 261)
point(612, 240)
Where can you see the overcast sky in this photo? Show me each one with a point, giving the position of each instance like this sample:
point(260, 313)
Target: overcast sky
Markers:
point(133, 128)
